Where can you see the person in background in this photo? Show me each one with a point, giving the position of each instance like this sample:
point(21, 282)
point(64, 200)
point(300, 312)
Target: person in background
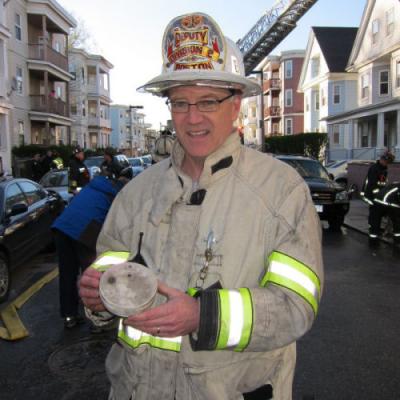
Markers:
point(37, 168)
point(231, 233)
point(78, 173)
point(110, 166)
point(76, 231)
point(47, 161)
point(57, 162)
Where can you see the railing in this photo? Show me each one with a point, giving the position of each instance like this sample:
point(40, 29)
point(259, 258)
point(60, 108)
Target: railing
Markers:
point(100, 122)
point(37, 52)
point(274, 111)
point(49, 105)
point(272, 84)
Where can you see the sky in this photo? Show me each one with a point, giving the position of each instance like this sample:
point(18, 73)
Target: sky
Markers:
point(129, 33)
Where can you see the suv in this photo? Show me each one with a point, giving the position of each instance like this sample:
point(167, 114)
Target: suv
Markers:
point(331, 199)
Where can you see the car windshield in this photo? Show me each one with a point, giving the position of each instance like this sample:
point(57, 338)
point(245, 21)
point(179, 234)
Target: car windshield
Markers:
point(93, 162)
point(135, 162)
point(308, 168)
point(55, 179)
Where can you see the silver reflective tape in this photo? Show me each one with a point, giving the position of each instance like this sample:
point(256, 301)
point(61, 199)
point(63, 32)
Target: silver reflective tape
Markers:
point(236, 317)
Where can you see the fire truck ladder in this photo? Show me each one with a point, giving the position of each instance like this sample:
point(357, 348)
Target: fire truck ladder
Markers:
point(271, 29)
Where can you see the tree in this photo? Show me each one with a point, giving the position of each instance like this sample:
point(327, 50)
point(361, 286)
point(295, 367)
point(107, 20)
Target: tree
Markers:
point(80, 37)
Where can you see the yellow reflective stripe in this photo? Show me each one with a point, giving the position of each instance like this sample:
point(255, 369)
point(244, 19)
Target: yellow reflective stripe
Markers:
point(109, 258)
point(192, 291)
point(236, 319)
point(135, 338)
point(247, 319)
point(294, 275)
point(224, 317)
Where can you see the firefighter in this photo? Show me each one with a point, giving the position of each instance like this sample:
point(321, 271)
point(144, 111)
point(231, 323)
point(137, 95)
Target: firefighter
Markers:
point(78, 173)
point(57, 162)
point(375, 181)
point(231, 233)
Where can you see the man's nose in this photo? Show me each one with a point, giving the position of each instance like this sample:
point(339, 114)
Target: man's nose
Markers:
point(193, 114)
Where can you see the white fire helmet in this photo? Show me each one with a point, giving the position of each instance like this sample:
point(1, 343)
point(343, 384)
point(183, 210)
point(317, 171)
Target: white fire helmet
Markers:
point(195, 52)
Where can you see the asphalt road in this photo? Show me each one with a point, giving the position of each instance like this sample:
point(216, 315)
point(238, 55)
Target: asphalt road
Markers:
point(351, 353)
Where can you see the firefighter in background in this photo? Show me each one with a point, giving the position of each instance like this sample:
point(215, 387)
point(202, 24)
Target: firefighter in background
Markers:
point(57, 162)
point(375, 181)
point(78, 173)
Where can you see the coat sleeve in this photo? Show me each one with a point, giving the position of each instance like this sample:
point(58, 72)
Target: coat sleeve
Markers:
point(284, 305)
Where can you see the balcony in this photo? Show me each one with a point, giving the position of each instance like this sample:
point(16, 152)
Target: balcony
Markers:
point(272, 84)
point(99, 122)
point(274, 112)
point(37, 52)
point(48, 105)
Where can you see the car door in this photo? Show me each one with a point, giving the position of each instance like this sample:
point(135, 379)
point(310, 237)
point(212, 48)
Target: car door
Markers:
point(40, 208)
point(19, 230)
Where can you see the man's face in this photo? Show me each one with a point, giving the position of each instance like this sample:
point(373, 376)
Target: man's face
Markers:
point(201, 133)
point(80, 155)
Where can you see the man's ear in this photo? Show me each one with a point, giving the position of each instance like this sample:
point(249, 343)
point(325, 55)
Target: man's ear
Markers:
point(237, 101)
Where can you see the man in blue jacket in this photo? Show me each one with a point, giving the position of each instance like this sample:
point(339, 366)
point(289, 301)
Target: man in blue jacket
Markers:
point(76, 232)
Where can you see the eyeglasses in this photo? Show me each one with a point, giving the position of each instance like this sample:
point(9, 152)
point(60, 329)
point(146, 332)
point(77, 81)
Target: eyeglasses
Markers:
point(208, 105)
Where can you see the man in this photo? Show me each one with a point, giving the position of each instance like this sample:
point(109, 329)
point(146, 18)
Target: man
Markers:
point(231, 233)
point(375, 181)
point(77, 229)
point(37, 169)
point(110, 166)
point(47, 161)
point(78, 173)
point(57, 162)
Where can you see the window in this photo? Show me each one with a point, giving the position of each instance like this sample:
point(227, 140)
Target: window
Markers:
point(316, 101)
point(18, 29)
point(83, 74)
point(364, 86)
point(14, 195)
point(275, 128)
point(389, 22)
point(336, 134)
point(83, 108)
point(314, 67)
point(375, 30)
point(398, 74)
point(32, 192)
point(289, 126)
point(383, 83)
point(288, 97)
point(74, 109)
point(288, 69)
point(323, 99)
point(20, 79)
point(307, 104)
point(21, 133)
point(336, 94)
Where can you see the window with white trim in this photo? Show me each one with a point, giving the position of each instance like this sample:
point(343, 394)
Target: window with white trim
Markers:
point(289, 126)
point(336, 94)
point(21, 133)
point(316, 100)
point(389, 21)
point(375, 30)
point(336, 134)
point(398, 74)
point(288, 69)
point(383, 83)
point(323, 99)
point(364, 86)
point(289, 98)
point(275, 128)
point(20, 80)
point(18, 28)
point(314, 67)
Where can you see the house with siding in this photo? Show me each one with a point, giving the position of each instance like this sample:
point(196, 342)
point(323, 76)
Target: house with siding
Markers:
point(373, 125)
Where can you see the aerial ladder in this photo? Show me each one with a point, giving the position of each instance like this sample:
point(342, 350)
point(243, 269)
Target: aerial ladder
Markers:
point(270, 30)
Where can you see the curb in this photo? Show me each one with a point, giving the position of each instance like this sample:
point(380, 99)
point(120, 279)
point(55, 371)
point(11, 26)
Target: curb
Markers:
point(352, 227)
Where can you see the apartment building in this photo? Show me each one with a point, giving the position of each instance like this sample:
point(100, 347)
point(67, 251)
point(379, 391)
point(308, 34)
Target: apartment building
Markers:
point(373, 124)
point(129, 129)
point(5, 105)
point(90, 99)
point(38, 71)
point(328, 89)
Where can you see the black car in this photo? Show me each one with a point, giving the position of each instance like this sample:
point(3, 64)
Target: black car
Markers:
point(27, 212)
point(331, 199)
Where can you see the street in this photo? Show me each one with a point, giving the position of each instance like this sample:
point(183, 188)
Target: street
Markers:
point(351, 352)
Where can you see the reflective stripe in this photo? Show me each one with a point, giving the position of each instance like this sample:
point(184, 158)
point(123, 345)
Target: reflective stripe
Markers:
point(135, 338)
point(396, 234)
point(375, 191)
point(105, 260)
point(192, 291)
point(236, 319)
point(293, 275)
point(371, 235)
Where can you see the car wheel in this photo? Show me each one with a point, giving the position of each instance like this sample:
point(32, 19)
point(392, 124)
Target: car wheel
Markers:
point(336, 223)
point(5, 279)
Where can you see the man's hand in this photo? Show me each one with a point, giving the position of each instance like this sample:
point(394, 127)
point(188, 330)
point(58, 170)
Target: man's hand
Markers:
point(179, 316)
point(89, 289)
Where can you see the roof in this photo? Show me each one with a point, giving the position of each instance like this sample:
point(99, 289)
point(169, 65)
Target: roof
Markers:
point(336, 44)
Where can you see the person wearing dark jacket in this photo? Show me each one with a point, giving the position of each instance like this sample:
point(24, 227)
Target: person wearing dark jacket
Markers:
point(375, 180)
point(76, 232)
point(110, 166)
point(78, 173)
point(37, 168)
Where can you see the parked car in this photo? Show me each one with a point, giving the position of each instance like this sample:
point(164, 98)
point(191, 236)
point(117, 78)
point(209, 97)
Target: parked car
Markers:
point(147, 160)
point(93, 165)
point(331, 199)
point(137, 165)
point(338, 169)
point(57, 180)
point(27, 212)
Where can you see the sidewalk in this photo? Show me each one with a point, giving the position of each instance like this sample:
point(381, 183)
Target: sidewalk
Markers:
point(357, 218)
